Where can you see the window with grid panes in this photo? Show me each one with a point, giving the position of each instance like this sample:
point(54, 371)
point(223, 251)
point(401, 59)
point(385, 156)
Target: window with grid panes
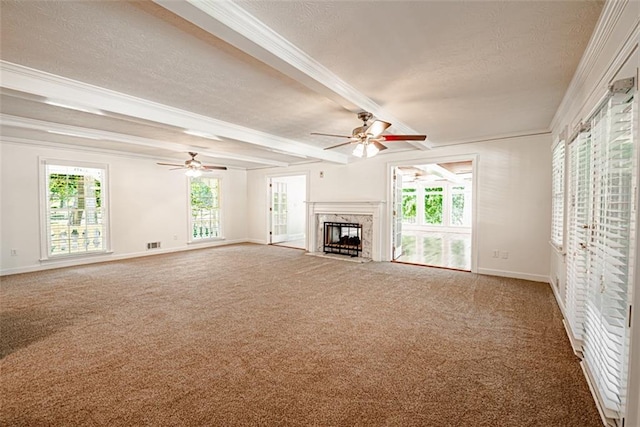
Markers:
point(75, 208)
point(204, 207)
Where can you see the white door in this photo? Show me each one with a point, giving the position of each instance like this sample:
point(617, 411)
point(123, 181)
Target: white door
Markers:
point(278, 211)
point(397, 214)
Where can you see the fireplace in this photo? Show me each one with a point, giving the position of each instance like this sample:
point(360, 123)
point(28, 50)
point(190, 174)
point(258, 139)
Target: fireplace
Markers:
point(342, 238)
point(367, 214)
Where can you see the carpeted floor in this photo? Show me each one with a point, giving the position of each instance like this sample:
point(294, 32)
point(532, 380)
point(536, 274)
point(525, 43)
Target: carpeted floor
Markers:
point(251, 335)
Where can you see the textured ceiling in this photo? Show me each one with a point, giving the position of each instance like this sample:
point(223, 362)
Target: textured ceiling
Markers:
point(454, 70)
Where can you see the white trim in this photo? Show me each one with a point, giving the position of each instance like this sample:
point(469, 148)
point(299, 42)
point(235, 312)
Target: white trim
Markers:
point(514, 275)
point(190, 239)
point(107, 258)
point(576, 344)
point(269, 179)
point(558, 249)
point(29, 80)
point(607, 416)
point(257, 241)
point(44, 211)
point(611, 14)
point(496, 137)
point(82, 132)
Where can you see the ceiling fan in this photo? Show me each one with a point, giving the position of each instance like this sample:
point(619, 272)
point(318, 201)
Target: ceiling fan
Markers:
point(194, 167)
point(369, 136)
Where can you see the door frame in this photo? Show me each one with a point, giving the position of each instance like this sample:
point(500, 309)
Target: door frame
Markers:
point(388, 226)
point(268, 179)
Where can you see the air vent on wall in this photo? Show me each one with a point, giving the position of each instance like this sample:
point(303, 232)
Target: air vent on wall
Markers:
point(153, 245)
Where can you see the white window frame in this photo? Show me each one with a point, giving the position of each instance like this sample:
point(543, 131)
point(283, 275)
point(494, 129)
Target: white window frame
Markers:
point(558, 171)
point(220, 236)
point(45, 237)
point(447, 206)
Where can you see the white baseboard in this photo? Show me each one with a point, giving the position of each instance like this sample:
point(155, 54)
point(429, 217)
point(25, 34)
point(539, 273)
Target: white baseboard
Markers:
point(50, 265)
point(257, 241)
point(514, 275)
point(607, 416)
point(554, 288)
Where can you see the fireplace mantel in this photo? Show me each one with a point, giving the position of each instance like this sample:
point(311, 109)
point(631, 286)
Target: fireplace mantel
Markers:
point(375, 209)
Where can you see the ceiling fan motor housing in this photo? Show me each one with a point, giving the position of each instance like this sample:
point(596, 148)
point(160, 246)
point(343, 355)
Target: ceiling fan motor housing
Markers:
point(365, 116)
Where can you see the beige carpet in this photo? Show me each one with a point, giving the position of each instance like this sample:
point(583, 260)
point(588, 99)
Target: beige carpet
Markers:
point(250, 335)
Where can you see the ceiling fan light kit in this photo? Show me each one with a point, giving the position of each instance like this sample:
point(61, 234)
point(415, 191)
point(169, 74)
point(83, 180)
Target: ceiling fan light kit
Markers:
point(194, 167)
point(368, 137)
point(365, 149)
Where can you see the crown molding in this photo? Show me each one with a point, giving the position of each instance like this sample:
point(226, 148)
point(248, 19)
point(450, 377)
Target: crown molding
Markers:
point(82, 132)
point(612, 12)
point(86, 149)
point(233, 24)
point(29, 80)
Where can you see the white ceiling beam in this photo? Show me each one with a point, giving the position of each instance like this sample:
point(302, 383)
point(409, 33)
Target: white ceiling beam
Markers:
point(231, 23)
point(28, 80)
point(82, 132)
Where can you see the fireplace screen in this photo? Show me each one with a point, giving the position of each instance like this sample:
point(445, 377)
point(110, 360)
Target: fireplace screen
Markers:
point(342, 238)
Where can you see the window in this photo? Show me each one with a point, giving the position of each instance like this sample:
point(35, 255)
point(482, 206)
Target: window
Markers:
point(457, 206)
point(610, 248)
point(445, 204)
point(204, 208)
point(75, 209)
point(433, 199)
point(603, 175)
point(409, 205)
point(557, 191)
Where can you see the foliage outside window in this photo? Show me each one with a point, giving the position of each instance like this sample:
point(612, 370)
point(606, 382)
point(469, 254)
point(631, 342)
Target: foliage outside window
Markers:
point(457, 206)
point(433, 199)
point(205, 207)
point(445, 204)
point(409, 205)
point(75, 212)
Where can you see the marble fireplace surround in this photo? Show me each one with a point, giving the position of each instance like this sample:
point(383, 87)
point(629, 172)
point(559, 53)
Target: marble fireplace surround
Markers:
point(367, 213)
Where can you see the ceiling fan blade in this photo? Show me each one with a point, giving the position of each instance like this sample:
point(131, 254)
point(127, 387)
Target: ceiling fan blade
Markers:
point(330, 134)
point(339, 145)
point(377, 127)
point(175, 169)
point(378, 145)
point(222, 168)
point(169, 164)
point(404, 137)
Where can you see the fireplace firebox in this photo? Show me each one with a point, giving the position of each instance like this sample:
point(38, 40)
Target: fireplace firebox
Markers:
point(342, 238)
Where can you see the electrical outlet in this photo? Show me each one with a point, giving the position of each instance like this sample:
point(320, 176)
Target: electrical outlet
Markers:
point(14, 252)
point(505, 255)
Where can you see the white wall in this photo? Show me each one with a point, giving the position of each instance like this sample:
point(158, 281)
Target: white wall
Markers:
point(611, 54)
point(513, 197)
point(148, 203)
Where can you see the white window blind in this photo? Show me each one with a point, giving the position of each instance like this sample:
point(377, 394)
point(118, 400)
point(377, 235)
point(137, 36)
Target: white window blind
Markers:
point(610, 248)
point(204, 207)
point(74, 214)
point(557, 190)
point(579, 188)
